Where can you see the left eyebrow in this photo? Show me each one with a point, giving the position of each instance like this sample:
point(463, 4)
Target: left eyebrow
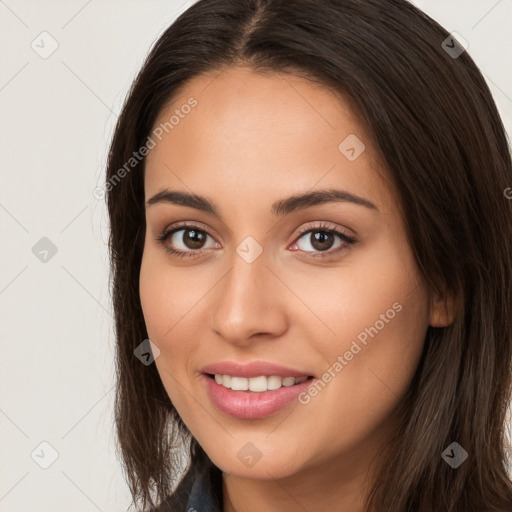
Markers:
point(302, 201)
point(281, 207)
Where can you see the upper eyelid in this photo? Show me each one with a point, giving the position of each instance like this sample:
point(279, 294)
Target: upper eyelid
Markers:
point(179, 226)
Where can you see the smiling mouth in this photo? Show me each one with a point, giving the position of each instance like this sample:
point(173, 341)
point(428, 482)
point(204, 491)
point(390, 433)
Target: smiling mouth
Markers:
point(258, 384)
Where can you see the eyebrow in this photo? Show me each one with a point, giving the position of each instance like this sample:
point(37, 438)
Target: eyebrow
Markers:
point(281, 207)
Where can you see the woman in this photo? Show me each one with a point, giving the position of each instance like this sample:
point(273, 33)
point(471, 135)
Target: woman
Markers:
point(309, 222)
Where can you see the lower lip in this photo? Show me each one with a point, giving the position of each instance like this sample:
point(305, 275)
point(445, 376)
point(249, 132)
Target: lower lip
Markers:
point(250, 404)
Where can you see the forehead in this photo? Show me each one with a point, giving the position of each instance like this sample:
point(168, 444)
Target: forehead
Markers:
point(270, 134)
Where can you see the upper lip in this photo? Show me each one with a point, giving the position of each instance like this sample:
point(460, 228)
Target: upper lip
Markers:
point(252, 369)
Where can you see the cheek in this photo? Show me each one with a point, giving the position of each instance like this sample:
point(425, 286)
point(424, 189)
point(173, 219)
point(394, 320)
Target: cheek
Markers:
point(156, 299)
point(375, 314)
point(167, 296)
point(165, 300)
point(173, 302)
point(375, 293)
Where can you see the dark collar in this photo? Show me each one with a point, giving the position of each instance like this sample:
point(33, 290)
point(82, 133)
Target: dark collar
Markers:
point(206, 491)
point(200, 490)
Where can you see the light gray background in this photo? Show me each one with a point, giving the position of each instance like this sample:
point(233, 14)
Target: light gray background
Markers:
point(57, 117)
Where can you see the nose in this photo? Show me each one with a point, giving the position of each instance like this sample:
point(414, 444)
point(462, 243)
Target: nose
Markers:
point(249, 302)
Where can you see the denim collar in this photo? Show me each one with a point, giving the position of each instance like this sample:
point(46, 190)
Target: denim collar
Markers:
point(206, 492)
point(200, 490)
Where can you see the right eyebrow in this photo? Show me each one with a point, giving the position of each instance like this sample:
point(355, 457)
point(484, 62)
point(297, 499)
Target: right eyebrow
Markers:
point(184, 199)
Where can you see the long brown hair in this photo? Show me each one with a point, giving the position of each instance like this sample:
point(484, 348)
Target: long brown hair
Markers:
point(430, 114)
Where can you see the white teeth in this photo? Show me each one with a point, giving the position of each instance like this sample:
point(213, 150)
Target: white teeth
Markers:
point(256, 384)
point(274, 382)
point(239, 383)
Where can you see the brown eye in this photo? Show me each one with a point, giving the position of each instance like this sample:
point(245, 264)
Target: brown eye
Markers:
point(323, 240)
point(186, 240)
point(192, 238)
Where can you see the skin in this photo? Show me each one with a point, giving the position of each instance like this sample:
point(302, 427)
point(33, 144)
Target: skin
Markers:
point(251, 140)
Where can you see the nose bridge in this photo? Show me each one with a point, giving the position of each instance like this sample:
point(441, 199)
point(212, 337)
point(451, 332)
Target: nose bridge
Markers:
point(247, 302)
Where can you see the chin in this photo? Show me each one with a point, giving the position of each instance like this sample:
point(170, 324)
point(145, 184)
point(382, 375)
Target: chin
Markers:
point(245, 459)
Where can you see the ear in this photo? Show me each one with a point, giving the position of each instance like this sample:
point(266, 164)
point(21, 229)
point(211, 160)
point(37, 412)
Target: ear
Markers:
point(443, 309)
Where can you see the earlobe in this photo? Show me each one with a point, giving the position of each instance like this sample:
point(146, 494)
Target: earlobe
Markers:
point(443, 310)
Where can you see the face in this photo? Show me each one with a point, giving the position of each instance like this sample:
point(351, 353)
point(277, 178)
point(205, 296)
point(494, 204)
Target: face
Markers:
point(326, 288)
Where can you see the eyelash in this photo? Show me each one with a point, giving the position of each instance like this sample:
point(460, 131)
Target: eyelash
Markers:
point(168, 232)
